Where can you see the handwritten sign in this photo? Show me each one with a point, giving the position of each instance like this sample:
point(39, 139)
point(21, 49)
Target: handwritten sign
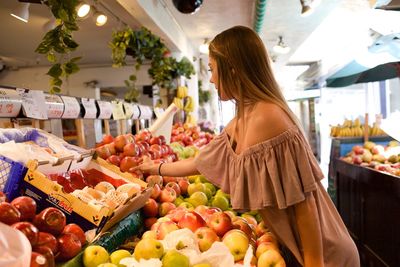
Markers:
point(128, 110)
point(105, 109)
point(136, 112)
point(71, 107)
point(54, 105)
point(146, 112)
point(33, 103)
point(117, 110)
point(10, 103)
point(90, 108)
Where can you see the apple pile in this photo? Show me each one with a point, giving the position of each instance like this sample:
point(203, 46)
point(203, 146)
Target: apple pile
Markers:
point(127, 151)
point(189, 135)
point(49, 235)
point(378, 157)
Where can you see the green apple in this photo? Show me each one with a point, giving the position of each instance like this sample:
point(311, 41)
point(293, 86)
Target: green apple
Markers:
point(192, 179)
point(174, 259)
point(237, 243)
point(222, 193)
point(117, 255)
point(187, 205)
point(211, 187)
point(148, 248)
point(208, 193)
point(198, 198)
point(95, 255)
point(178, 200)
point(221, 202)
point(199, 187)
point(201, 179)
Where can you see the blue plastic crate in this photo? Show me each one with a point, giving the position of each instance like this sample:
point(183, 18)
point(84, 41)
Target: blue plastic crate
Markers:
point(11, 176)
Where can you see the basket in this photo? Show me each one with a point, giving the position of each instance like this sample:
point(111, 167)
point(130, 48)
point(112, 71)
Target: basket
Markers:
point(11, 176)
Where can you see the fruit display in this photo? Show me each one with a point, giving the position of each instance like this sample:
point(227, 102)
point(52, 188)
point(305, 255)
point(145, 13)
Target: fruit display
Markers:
point(378, 157)
point(51, 238)
point(354, 128)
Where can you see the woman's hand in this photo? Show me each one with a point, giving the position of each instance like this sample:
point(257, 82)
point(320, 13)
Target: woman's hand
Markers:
point(147, 166)
point(177, 169)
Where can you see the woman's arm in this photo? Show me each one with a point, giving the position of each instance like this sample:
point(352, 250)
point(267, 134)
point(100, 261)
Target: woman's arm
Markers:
point(310, 232)
point(179, 168)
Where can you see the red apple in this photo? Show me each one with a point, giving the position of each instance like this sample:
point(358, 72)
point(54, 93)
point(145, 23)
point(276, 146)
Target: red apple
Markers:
point(107, 139)
point(165, 228)
point(163, 140)
point(75, 229)
point(167, 179)
point(165, 207)
point(47, 253)
point(154, 154)
point(119, 142)
point(50, 220)
point(3, 197)
point(69, 246)
point(38, 260)
point(114, 159)
point(129, 162)
point(176, 214)
point(111, 148)
point(250, 219)
point(26, 206)
point(155, 179)
point(155, 140)
point(149, 222)
point(103, 152)
point(143, 135)
point(156, 191)
point(167, 195)
point(47, 240)
point(205, 237)
point(187, 140)
point(261, 229)
point(175, 187)
point(145, 145)
point(183, 184)
point(220, 222)
point(29, 230)
point(241, 224)
point(191, 220)
point(9, 214)
point(150, 208)
point(267, 237)
point(131, 150)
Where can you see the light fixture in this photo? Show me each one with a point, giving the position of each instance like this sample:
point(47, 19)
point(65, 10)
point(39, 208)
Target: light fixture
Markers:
point(203, 48)
point(83, 10)
point(281, 47)
point(187, 6)
point(100, 18)
point(306, 8)
point(21, 12)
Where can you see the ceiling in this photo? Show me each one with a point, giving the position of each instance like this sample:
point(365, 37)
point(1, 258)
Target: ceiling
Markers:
point(282, 18)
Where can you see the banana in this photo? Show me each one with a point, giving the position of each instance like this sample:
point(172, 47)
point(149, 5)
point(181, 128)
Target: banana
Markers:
point(182, 92)
point(189, 105)
point(178, 103)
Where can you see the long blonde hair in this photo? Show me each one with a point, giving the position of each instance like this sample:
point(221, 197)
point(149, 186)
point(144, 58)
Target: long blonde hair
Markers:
point(244, 70)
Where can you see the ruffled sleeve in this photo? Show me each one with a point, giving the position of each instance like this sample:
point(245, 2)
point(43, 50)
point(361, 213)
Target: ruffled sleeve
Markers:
point(277, 172)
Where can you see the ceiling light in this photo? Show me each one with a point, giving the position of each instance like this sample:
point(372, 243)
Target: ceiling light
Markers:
point(21, 12)
point(101, 19)
point(83, 10)
point(187, 6)
point(203, 48)
point(281, 47)
point(306, 8)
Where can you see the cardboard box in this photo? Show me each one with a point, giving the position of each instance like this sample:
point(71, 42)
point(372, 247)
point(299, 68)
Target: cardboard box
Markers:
point(48, 193)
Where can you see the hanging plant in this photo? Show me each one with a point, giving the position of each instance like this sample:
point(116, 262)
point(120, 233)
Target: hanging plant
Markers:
point(143, 45)
point(58, 42)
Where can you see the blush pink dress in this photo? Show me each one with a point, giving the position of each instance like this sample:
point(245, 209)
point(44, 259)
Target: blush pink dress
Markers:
point(271, 177)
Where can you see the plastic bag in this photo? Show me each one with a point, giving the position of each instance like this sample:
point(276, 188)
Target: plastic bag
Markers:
point(15, 249)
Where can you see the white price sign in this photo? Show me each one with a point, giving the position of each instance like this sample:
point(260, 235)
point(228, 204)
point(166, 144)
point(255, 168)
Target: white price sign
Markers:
point(33, 103)
point(71, 107)
point(90, 108)
point(10, 103)
point(55, 106)
point(136, 112)
point(128, 110)
point(105, 109)
point(117, 110)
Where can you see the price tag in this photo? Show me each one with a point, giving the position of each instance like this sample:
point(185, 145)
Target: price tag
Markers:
point(90, 108)
point(117, 110)
point(128, 110)
point(55, 106)
point(105, 109)
point(136, 112)
point(146, 112)
point(71, 107)
point(33, 103)
point(10, 103)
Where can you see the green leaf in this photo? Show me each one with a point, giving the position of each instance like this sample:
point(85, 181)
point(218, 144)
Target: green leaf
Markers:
point(132, 77)
point(51, 58)
point(70, 43)
point(75, 59)
point(55, 90)
point(55, 71)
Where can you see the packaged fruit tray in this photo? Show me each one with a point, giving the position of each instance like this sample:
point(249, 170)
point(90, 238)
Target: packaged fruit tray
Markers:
point(11, 176)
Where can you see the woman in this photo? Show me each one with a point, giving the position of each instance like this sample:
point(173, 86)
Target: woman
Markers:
point(263, 159)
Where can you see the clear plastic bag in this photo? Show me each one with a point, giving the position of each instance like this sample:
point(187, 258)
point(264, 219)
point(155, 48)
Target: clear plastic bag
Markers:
point(15, 249)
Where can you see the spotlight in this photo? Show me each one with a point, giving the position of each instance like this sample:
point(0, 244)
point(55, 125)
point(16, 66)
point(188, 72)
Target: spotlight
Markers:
point(281, 47)
point(21, 12)
point(101, 19)
point(187, 6)
point(306, 8)
point(203, 48)
point(83, 10)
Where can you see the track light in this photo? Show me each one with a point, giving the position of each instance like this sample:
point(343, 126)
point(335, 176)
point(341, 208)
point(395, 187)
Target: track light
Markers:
point(306, 8)
point(281, 47)
point(203, 48)
point(101, 19)
point(83, 10)
point(21, 12)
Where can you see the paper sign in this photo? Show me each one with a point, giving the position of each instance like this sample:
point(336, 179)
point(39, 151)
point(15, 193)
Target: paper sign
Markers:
point(128, 110)
point(33, 103)
point(146, 112)
point(54, 105)
point(105, 109)
point(136, 112)
point(10, 103)
point(117, 110)
point(90, 108)
point(71, 107)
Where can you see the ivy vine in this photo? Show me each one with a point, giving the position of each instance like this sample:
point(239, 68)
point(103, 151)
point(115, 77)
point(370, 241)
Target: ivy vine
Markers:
point(58, 42)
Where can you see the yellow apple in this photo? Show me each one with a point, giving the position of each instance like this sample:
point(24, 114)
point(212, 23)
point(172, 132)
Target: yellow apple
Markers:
point(148, 248)
point(95, 255)
point(264, 247)
point(174, 259)
point(271, 258)
point(237, 243)
point(118, 255)
point(149, 234)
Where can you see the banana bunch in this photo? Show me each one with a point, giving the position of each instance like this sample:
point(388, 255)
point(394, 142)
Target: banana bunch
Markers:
point(339, 131)
point(190, 119)
point(189, 104)
point(182, 92)
point(376, 130)
point(178, 102)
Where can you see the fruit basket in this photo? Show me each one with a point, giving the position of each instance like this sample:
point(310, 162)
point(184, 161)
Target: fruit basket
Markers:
point(11, 175)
